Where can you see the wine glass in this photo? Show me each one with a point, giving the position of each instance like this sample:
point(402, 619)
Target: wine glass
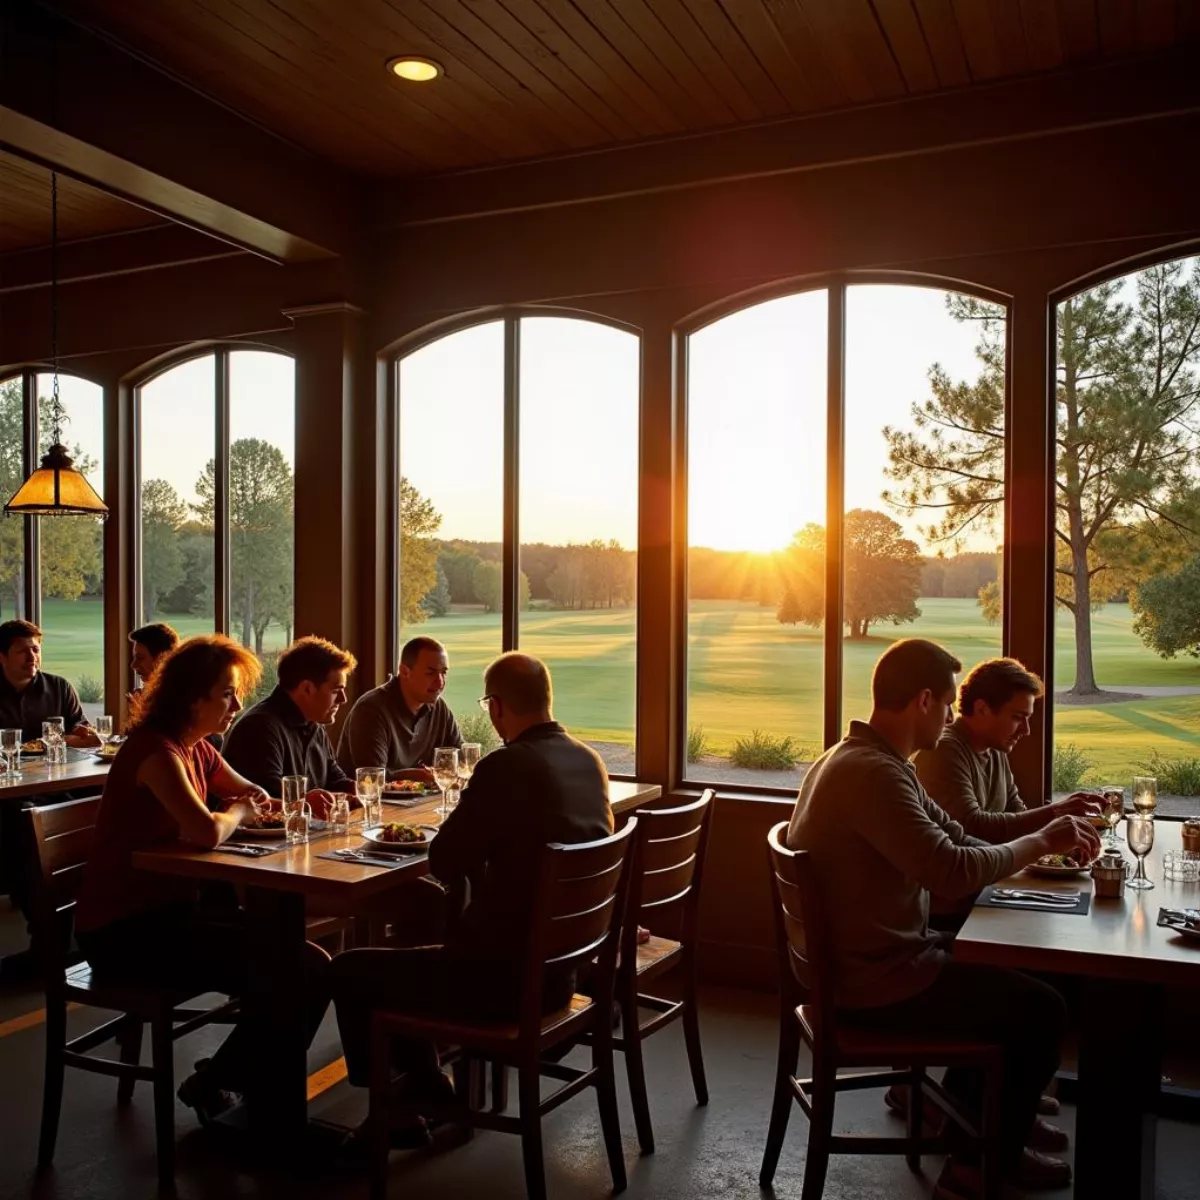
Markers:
point(368, 787)
point(1139, 832)
point(1114, 810)
point(104, 729)
point(468, 755)
point(10, 744)
point(445, 773)
point(1145, 794)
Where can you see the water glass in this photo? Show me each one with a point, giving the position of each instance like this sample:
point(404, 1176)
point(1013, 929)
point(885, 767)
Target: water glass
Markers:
point(339, 814)
point(296, 823)
point(1113, 810)
point(54, 737)
point(104, 729)
point(368, 787)
point(10, 745)
point(1139, 833)
point(1145, 793)
point(445, 773)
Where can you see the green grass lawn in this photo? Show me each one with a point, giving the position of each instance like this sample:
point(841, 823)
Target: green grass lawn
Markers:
point(747, 671)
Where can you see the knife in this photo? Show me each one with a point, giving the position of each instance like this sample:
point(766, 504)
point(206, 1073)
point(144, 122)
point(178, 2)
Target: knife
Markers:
point(370, 859)
point(1048, 906)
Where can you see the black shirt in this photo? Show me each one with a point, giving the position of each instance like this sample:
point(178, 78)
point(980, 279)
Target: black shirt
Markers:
point(46, 696)
point(272, 739)
point(544, 786)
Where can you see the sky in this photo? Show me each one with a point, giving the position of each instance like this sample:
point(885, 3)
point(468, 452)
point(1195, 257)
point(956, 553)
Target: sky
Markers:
point(756, 418)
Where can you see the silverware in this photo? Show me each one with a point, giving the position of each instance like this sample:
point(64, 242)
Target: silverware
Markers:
point(374, 860)
point(1029, 894)
point(1048, 905)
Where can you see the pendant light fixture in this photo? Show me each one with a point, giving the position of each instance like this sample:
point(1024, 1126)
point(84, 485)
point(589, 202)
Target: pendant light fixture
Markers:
point(57, 488)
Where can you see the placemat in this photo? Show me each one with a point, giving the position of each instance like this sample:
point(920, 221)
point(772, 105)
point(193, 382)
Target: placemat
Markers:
point(1082, 903)
point(386, 862)
point(250, 850)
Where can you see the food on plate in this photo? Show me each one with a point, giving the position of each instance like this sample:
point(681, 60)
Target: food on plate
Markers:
point(1097, 821)
point(108, 750)
point(1066, 861)
point(33, 746)
point(266, 820)
point(400, 834)
point(405, 787)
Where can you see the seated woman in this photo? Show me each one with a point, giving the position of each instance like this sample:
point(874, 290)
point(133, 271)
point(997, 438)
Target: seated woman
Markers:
point(135, 924)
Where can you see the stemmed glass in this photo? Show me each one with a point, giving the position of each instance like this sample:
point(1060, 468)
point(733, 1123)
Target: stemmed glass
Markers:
point(468, 755)
point(368, 787)
point(1139, 832)
point(445, 773)
point(1113, 811)
point(10, 744)
point(1145, 794)
point(104, 729)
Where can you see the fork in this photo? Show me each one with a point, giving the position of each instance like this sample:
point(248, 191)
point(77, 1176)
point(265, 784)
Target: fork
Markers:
point(1064, 898)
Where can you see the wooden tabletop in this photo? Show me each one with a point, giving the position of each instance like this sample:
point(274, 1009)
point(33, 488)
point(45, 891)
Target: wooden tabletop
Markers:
point(300, 869)
point(1117, 939)
point(40, 778)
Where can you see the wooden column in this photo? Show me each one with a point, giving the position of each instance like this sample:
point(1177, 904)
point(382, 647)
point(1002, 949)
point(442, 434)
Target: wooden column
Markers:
point(329, 566)
point(121, 585)
point(1029, 519)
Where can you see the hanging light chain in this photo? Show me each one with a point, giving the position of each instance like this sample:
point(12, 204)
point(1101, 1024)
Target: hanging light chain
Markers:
point(55, 402)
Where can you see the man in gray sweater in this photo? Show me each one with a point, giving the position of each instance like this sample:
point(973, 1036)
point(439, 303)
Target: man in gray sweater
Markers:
point(879, 846)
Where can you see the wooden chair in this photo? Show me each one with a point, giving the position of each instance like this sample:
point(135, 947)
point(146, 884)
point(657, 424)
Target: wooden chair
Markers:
point(807, 988)
point(580, 898)
point(60, 839)
point(667, 868)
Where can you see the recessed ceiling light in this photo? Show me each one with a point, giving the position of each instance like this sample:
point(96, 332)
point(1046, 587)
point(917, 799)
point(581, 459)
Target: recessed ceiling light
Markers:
point(414, 68)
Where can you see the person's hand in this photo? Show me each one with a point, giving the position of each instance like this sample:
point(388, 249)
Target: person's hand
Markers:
point(420, 774)
point(320, 801)
point(1073, 836)
point(1079, 804)
point(643, 935)
point(254, 799)
point(82, 735)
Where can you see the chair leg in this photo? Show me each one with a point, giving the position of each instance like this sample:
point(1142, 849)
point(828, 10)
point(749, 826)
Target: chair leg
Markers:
point(916, 1117)
point(820, 1130)
point(129, 1040)
point(691, 1035)
point(781, 1103)
point(531, 1130)
point(162, 1053)
point(499, 1087)
point(606, 1098)
point(377, 1116)
point(52, 1086)
point(635, 1068)
point(989, 1166)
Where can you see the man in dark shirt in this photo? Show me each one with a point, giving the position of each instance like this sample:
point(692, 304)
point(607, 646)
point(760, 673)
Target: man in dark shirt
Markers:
point(401, 723)
point(542, 786)
point(285, 734)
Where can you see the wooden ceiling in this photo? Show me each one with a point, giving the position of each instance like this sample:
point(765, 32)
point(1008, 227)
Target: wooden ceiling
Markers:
point(83, 212)
point(527, 78)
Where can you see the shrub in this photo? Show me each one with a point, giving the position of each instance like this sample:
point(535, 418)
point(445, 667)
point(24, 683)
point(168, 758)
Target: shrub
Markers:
point(477, 727)
point(1070, 766)
point(697, 743)
point(90, 689)
point(764, 752)
point(266, 681)
point(1176, 776)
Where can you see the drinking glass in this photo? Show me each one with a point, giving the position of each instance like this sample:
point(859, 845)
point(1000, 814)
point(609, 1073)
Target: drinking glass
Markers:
point(1145, 794)
point(1113, 811)
point(104, 729)
point(368, 786)
point(297, 822)
point(339, 814)
point(10, 744)
point(54, 735)
point(468, 755)
point(1139, 832)
point(294, 791)
point(445, 773)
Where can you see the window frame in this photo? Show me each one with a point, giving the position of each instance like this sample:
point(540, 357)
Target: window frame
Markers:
point(510, 577)
point(836, 285)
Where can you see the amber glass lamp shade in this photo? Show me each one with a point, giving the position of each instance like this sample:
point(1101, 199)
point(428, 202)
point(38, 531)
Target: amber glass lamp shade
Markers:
point(56, 489)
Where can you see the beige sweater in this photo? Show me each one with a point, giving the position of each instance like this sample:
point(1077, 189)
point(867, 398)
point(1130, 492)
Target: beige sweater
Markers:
point(880, 845)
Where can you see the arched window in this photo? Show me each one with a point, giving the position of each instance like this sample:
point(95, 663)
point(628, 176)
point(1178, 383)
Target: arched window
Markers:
point(1127, 534)
point(518, 461)
point(867, 417)
point(216, 452)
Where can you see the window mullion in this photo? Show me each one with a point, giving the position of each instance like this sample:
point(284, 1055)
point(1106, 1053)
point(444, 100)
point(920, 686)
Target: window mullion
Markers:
point(33, 554)
point(510, 578)
point(835, 497)
point(221, 559)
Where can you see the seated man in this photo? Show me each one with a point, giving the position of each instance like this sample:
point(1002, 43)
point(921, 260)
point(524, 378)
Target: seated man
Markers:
point(285, 734)
point(401, 723)
point(150, 644)
point(880, 845)
point(967, 772)
point(542, 786)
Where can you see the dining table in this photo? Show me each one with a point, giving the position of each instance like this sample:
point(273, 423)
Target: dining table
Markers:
point(1123, 961)
point(83, 769)
point(278, 890)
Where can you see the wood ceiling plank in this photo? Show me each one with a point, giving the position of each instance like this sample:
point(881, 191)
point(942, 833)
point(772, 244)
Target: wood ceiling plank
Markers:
point(638, 15)
point(790, 28)
point(846, 44)
point(1158, 22)
point(1040, 21)
point(903, 30)
point(769, 46)
point(1117, 20)
point(729, 44)
point(616, 31)
point(944, 41)
point(595, 61)
point(551, 62)
point(869, 43)
point(675, 17)
point(1010, 36)
point(1080, 33)
point(978, 38)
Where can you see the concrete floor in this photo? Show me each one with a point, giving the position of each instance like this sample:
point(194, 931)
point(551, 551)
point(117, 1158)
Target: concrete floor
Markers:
point(104, 1154)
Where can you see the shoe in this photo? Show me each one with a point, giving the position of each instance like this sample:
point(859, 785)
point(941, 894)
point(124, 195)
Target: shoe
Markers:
point(1038, 1172)
point(202, 1093)
point(1044, 1136)
point(1048, 1106)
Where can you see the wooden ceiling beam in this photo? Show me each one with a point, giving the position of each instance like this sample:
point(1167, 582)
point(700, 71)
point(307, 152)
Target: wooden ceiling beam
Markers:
point(80, 105)
point(1037, 106)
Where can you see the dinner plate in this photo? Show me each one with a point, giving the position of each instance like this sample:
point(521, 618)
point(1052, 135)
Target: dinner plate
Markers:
point(371, 835)
point(33, 753)
point(104, 757)
point(394, 793)
point(256, 831)
point(1054, 872)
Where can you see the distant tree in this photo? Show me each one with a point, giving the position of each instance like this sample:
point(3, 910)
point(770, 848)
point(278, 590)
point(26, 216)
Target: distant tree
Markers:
point(419, 521)
point(789, 612)
point(802, 571)
point(458, 566)
point(436, 602)
point(991, 602)
point(163, 515)
point(1167, 611)
point(488, 587)
point(194, 592)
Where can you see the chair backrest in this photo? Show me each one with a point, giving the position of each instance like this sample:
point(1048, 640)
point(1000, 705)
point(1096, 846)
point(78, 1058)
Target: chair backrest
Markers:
point(667, 870)
point(806, 967)
point(59, 845)
point(580, 898)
